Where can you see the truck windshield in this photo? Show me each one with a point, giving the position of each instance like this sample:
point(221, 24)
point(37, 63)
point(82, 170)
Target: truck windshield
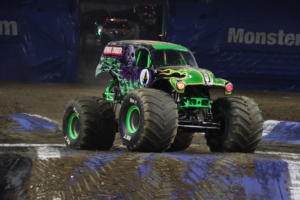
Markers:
point(162, 58)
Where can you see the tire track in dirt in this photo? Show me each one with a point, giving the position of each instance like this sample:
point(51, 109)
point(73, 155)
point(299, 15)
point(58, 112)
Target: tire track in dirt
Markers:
point(59, 173)
point(125, 175)
point(228, 176)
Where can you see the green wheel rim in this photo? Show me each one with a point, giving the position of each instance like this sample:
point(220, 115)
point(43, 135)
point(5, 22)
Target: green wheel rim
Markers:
point(73, 122)
point(133, 119)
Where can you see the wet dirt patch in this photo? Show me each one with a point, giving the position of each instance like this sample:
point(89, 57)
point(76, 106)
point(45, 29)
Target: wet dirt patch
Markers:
point(14, 171)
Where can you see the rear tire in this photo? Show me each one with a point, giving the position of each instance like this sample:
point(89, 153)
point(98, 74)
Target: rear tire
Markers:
point(148, 120)
point(89, 123)
point(182, 141)
point(241, 125)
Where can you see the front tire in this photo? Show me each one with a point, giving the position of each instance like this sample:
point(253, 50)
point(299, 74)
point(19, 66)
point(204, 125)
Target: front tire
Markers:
point(89, 123)
point(148, 120)
point(241, 125)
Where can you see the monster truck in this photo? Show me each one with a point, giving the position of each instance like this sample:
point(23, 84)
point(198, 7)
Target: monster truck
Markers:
point(164, 99)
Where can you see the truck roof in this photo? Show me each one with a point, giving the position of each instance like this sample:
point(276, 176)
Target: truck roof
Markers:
point(158, 45)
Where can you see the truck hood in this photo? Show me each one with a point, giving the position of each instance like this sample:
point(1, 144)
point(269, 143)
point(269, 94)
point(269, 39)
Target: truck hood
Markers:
point(190, 76)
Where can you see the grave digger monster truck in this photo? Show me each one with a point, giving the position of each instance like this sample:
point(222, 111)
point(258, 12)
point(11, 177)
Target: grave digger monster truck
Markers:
point(164, 99)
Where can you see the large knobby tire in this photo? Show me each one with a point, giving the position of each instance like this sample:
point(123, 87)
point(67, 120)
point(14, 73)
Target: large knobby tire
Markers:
point(148, 120)
point(89, 123)
point(241, 125)
point(182, 141)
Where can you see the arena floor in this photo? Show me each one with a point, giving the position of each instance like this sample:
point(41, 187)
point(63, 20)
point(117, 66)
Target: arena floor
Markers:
point(45, 169)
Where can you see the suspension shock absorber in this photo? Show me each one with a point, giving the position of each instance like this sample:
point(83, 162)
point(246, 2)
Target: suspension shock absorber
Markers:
point(208, 115)
point(176, 97)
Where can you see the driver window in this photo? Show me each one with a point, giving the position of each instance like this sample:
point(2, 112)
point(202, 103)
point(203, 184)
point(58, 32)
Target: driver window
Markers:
point(143, 58)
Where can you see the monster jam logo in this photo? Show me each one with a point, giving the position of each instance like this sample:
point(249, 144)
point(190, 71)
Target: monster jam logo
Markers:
point(240, 35)
point(9, 28)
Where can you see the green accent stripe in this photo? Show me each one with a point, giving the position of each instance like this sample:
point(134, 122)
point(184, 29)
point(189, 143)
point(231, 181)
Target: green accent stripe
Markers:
point(169, 46)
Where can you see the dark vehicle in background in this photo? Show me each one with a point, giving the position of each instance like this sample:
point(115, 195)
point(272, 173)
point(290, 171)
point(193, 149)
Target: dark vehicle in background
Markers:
point(103, 21)
point(115, 29)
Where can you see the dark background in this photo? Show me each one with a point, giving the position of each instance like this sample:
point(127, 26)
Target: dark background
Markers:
point(57, 40)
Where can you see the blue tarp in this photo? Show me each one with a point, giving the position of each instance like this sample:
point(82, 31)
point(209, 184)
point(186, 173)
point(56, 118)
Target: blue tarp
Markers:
point(38, 40)
point(282, 132)
point(255, 44)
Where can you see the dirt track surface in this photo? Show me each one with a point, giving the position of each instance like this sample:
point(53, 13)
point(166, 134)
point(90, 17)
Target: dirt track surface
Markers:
point(148, 176)
point(64, 174)
point(50, 99)
point(194, 174)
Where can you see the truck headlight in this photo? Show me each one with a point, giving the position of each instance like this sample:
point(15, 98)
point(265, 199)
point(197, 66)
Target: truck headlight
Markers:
point(180, 85)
